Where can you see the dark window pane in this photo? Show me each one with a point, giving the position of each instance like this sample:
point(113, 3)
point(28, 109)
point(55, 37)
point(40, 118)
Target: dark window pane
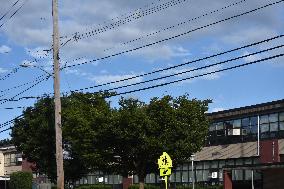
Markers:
point(219, 126)
point(281, 126)
point(263, 119)
point(273, 117)
point(264, 128)
point(245, 122)
point(253, 129)
point(248, 161)
point(212, 127)
point(237, 123)
point(273, 127)
point(281, 116)
point(220, 133)
point(253, 120)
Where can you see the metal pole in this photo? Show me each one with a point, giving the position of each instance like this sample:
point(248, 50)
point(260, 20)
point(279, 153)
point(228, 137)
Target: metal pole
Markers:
point(252, 183)
point(193, 175)
point(57, 102)
point(258, 136)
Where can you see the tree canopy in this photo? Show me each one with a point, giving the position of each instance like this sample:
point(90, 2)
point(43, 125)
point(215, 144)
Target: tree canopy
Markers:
point(125, 140)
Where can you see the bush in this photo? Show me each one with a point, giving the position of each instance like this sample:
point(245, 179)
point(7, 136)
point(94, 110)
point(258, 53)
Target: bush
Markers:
point(201, 187)
point(21, 180)
point(146, 186)
point(94, 186)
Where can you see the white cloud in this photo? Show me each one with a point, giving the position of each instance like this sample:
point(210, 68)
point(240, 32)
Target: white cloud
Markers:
point(252, 57)
point(109, 78)
point(2, 70)
point(38, 52)
point(217, 109)
point(188, 72)
point(4, 49)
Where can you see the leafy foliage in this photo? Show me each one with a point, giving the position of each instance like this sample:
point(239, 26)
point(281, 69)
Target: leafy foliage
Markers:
point(147, 186)
point(95, 186)
point(125, 141)
point(21, 180)
point(5, 142)
point(140, 132)
point(34, 134)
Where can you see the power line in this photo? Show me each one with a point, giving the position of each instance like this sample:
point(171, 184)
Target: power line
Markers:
point(186, 63)
point(200, 75)
point(134, 16)
point(180, 80)
point(14, 70)
point(119, 17)
point(176, 36)
point(7, 12)
point(38, 82)
point(14, 13)
point(176, 25)
point(191, 70)
point(21, 85)
point(6, 129)
point(163, 69)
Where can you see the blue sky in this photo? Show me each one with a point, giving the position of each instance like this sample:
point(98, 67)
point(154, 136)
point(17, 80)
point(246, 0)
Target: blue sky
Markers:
point(24, 37)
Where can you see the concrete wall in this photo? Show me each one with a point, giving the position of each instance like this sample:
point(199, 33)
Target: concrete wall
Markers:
point(2, 171)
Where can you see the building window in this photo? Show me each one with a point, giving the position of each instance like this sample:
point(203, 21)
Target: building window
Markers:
point(11, 159)
point(264, 119)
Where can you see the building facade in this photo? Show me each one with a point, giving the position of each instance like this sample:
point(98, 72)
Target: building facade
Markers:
point(11, 161)
point(244, 149)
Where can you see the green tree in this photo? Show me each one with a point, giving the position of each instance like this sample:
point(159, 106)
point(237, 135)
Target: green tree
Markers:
point(140, 132)
point(34, 134)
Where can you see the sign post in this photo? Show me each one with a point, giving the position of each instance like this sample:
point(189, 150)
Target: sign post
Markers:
point(165, 166)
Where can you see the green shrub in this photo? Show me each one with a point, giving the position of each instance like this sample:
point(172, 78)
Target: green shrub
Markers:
point(21, 180)
point(200, 187)
point(94, 186)
point(146, 186)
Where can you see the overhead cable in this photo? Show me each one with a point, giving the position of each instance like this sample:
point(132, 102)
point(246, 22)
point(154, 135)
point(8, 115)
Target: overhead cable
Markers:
point(176, 25)
point(176, 36)
point(190, 70)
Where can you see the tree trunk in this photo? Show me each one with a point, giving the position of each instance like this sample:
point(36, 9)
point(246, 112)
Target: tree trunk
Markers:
point(141, 181)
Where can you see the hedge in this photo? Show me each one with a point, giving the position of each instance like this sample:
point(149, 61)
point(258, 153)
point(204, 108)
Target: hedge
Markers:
point(94, 186)
point(201, 187)
point(21, 180)
point(146, 186)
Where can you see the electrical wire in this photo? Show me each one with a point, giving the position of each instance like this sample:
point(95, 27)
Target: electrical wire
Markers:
point(14, 70)
point(134, 16)
point(24, 84)
point(38, 82)
point(14, 13)
point(200, 75)
point(188, 78)
point(186, 63)
point(190, 70)
point(163, 69)
point(175, 36)
point(7, 12)
point(118, 17)
point(176, 25)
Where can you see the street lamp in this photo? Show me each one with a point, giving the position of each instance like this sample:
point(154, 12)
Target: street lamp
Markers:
point(192, 169)
point(34, 66)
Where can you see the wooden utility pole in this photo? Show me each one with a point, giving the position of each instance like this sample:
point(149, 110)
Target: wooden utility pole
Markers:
point(57, 102)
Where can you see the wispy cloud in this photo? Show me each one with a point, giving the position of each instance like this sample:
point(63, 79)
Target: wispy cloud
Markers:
point(4, 49)
point(109, 78)
point(2, 70)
